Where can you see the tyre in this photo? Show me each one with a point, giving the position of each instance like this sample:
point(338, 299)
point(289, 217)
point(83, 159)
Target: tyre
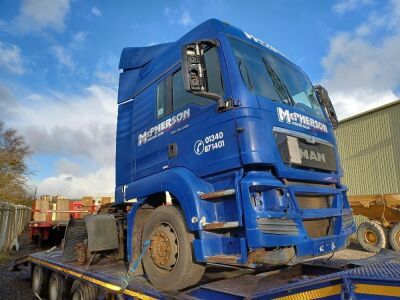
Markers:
point(371, 236)
point(83, 291)
point(57, 287)
point(40, 280)
point(394, 237)
point(169, 263)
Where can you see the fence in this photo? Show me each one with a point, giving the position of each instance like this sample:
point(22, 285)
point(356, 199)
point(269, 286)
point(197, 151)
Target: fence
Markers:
point(13, 220)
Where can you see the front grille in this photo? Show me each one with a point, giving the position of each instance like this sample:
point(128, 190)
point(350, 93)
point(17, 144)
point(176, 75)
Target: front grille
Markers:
point(317, 228)
point(347, 221)
point(314, 202)
point(308, 183)
point(305, 151)
point(277, 226)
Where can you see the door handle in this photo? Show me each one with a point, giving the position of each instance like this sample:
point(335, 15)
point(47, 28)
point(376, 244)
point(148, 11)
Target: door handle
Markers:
point(172, 150)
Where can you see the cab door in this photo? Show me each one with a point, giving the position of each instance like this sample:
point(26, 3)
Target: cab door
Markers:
point(201, 139)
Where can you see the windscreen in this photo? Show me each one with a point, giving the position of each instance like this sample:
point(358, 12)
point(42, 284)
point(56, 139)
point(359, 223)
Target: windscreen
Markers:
point(272, 77)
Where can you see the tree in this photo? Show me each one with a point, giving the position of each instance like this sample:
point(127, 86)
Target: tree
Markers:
point(14, 171)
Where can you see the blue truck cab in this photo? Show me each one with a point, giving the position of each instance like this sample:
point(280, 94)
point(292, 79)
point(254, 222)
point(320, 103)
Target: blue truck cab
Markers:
point(226, 153)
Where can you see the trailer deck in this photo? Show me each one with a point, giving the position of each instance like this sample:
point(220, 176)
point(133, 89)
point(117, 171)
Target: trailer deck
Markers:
point(377, 277)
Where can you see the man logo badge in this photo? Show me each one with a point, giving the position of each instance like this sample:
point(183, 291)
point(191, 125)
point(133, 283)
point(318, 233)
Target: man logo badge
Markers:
point(312, 155)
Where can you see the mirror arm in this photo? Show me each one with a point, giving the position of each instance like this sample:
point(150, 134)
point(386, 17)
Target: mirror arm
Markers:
point(215, 97)
point(322, 94)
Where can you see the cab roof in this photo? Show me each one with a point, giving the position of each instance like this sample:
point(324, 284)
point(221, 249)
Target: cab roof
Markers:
point(142, 66)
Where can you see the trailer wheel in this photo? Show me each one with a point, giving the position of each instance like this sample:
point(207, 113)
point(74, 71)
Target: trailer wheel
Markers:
point(40, 280)
point(57, 287)
point(83, 291)
point(371, 236)
point(169, 263)
point(394, 237)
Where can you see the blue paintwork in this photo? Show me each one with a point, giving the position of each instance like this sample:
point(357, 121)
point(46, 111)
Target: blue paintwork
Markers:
point(145, 169)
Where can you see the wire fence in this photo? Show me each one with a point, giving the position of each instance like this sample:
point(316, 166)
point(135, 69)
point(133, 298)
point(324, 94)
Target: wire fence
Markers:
point(13, 220)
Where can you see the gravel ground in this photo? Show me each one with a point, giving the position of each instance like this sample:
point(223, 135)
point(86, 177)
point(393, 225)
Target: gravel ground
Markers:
point(354, 251)
point(16, 285)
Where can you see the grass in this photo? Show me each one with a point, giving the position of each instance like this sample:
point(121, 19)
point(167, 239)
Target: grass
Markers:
point(4, 257)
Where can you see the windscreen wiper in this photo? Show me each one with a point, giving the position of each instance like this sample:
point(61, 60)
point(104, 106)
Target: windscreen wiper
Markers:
point(280, 88)
point(251, 85)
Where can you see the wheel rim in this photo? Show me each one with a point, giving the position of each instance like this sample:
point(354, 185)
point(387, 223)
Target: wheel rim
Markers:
point(53, 288)
point(370, 237)
point(164, 247)
point(35, 280)
point(397, 238)
point(77, 295)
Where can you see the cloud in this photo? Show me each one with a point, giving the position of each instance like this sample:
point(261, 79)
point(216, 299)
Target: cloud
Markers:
point(186, 19)
point(80, 125)
point(96, 11)
point(177, 16)
point(344, 6)
point(63, 56)
point(350, 103)
point(67, 167)
point(7, 100)
point(40, 15)
point(78, 39)
point(98, 183)
point(76, 127)
point(10, 58)
point(356, 63)
point(106, 70)
point(362, 67)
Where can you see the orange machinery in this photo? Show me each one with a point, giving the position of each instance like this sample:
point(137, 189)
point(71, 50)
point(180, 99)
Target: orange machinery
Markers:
point(383, 227)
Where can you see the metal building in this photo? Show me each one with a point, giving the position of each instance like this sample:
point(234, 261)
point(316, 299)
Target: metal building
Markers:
point(369, 147)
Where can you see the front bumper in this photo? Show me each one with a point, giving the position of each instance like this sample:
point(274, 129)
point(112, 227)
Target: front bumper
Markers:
point(284, 226)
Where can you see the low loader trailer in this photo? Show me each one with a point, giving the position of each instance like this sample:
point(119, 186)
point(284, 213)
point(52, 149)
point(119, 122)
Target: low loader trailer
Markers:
point(225, 155)
point(377, 277)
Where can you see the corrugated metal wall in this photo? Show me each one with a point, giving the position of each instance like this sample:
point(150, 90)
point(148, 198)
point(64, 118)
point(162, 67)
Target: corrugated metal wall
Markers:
point(369, 147)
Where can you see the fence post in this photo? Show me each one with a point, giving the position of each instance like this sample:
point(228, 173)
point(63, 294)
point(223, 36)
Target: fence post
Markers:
point(5, 228)
point(14, 229)
point(3, 224)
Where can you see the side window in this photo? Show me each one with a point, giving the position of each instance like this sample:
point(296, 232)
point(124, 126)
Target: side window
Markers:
point(215, 83)
point(161, 105)
point(181, 98)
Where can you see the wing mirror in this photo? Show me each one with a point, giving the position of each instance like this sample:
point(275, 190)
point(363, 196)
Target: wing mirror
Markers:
point(194, 70)
point(322, 94)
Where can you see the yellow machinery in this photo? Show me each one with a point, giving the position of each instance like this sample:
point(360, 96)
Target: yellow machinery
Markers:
point(383, 227)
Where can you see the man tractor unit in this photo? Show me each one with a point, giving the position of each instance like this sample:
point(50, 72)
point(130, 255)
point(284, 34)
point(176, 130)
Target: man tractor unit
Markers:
point(225, 155)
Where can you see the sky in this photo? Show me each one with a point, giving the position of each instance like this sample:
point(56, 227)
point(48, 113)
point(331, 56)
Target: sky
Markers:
point(59, 67)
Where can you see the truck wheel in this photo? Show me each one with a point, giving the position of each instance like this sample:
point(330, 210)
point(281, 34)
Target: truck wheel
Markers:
point(169, 263)
point(83, 291)
point(57, 287)
point(371, 236)
point(40, 281)
point(394, 237)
